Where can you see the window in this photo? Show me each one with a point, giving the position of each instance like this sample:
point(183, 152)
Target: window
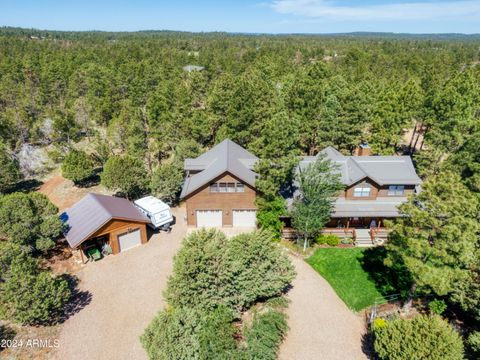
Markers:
point(396, 190)
point(361, 192)
point(230, 187)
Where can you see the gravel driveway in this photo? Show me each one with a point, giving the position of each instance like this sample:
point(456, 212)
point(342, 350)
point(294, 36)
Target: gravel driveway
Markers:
point(321, 326)
point(126, 294)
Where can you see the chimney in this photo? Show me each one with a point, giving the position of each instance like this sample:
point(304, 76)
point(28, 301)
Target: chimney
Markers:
point(363, 149)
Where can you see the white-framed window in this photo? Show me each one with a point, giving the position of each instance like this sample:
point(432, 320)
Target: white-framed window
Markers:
point(362, 191)
point(224, 187)
point(396, 190)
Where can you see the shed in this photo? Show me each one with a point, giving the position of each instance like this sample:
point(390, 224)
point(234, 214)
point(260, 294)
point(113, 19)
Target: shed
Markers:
point(97, 220)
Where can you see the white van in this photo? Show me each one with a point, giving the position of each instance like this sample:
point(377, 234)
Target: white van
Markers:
point(157, 211)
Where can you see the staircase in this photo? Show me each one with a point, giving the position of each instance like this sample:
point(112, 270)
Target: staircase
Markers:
point(362, 238)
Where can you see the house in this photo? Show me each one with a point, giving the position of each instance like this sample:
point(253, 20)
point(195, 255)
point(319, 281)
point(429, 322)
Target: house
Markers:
point(219, 188)
point(374, 188)
point(190, 68)
point(98, 220)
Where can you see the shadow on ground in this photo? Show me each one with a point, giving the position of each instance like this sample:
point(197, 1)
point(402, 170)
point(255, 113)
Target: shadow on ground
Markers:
point(78, 301)
point(6, 333)
point(388, 280)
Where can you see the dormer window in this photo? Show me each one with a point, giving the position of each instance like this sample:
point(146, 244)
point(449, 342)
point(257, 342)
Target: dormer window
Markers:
point(362, 191)
point(396, 190)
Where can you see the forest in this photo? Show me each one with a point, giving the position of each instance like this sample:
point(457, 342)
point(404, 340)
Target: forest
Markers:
point(128, 104)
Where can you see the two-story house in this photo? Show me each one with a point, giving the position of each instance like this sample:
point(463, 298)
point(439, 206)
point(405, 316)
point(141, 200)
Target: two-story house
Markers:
point(374, 188)
point(219, 188)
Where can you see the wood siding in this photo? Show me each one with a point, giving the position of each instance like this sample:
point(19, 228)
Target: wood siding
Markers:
point(203, 199)
point(116, 227)
point(377, 190)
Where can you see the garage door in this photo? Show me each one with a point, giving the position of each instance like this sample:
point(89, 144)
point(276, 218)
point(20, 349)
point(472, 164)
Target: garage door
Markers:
point(244, 218)
point(129, 240)
point(209, 218)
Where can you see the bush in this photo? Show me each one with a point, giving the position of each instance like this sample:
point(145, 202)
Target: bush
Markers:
point(125, 174)
point(424, 337)
point(265, 334)
point(191, 334)
point(437, 306)
point(27, 294)
point(473, 343)
point(268, 214)
point(29, 219)
point(328, 239)
point(77, 166)
point(210, 270)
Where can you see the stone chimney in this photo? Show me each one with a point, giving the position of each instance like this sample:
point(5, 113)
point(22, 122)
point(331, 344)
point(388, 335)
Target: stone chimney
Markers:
point(363, 149)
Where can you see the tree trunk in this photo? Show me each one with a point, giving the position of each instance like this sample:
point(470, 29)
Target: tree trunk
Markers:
point(305, 241)
point(408, 303)
point(411, 139)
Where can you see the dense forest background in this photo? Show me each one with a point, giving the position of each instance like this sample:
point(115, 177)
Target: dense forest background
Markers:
point(128, 93)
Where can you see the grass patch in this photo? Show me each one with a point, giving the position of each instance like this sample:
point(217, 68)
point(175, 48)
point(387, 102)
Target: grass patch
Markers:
point(344, 270)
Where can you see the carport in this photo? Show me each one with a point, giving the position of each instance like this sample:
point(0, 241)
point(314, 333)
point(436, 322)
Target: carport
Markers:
point(104, 222)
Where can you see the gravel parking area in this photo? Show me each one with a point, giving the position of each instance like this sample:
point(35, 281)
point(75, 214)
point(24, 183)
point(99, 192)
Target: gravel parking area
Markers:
point(321, 325)
point(126, 293)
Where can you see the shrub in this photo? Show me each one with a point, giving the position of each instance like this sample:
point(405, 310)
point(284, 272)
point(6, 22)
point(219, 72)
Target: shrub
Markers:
point(191, 334)
point(27, 294)
point(437, 306)
point(125, 174)
point(346, 241)
point(473, 343)
point(424, 337)
point(268, 214)
point(77, 166)
point(29, 219)
point(379, 323)
point(210, 270)
point(328, 239)
point(265, 334)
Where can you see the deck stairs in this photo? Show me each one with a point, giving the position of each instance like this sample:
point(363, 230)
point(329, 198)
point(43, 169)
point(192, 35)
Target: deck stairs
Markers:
point(363, 238)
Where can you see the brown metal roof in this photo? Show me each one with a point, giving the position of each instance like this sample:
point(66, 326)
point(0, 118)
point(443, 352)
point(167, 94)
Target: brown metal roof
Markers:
point(92, 212)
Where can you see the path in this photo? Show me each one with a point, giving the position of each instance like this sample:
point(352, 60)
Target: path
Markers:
point(321, 325)
point(126, 293)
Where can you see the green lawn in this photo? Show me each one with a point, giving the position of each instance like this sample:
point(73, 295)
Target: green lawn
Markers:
point(342, 268)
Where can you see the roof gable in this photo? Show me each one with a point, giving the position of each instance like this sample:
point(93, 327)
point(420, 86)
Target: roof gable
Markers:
point(383, 170)
point(92, 212)
point(226, 156)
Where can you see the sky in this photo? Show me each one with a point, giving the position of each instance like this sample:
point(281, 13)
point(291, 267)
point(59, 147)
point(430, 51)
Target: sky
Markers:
point(249, 16)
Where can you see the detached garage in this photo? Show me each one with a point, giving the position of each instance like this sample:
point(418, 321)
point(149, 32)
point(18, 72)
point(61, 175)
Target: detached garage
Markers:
point(99, 222)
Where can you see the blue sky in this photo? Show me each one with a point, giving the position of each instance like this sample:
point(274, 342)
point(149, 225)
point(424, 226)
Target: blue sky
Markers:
point(269, 16)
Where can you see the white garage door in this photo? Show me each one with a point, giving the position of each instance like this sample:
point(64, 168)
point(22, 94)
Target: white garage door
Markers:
point(209, 218)
point(129, 240)
point(244, 218)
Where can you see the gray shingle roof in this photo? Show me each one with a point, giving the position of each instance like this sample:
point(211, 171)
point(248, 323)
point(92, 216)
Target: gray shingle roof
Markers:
point(384, 170)
point(92, 212)
point(224, 157)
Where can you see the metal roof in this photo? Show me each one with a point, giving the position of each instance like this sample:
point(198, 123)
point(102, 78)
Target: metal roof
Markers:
point(92, 212)
point(224, 157)
point(365, 208)
point(384, 170)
